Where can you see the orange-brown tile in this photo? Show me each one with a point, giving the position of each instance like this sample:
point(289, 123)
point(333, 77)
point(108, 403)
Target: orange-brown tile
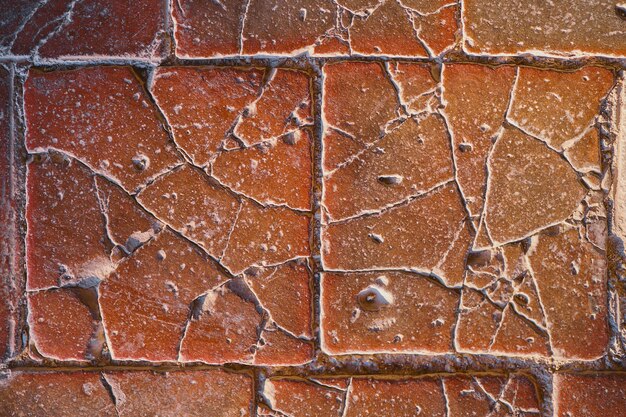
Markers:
point(102, 116)
point(386, 312)
point(590, 395)
point(298, 397)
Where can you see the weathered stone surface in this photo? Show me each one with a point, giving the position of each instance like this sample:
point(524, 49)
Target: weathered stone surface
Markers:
point(386, 312)
point(589, 395)
point(102, 116)
point(203, 104)
point(62, 199)
point(191, 393)
point(85, 29)
point(147, 301)
point(324, 28)
point(55, 394)
point(561, 28)
point(61, 326)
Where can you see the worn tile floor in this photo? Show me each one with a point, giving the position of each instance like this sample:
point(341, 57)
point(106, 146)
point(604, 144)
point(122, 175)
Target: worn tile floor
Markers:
point(312, 208)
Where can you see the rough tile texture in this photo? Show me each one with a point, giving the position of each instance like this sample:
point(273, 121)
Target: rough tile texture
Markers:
point(312, 208)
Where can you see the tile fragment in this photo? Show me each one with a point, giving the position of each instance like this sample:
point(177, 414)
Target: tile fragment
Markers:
point(103, 117)
point(386, 312)
point(593, 394)
point(295, 397)
point(559, 28)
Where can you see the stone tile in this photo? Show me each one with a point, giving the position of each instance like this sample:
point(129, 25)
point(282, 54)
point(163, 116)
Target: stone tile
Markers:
point(62, 198)
point(102, 116)
point(590, 27)
point(147, 301)
point(386, 312)
point(61, 325)
point(189, 393)
point(203, 104)
point(55, 394)
point(87, 29)
point(324, 28)
point(589, 395)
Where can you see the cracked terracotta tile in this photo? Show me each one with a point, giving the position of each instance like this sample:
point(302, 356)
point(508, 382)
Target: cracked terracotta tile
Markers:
point(530, 188)
point(190, 393)
point(375, 397)
point(299, 397)
point(283, 105)
point(207, 29)
point(62, 198)
point(277, 172)
point(286, 27)
point(571, 278)
point(584, 154)
point(84, 29)
point(102, 116)
point(224, 329)
point(590, 395)
point(266, 236)
point(147, 301)
point(572, 97)
point(414, 235)
point(279, 348)
point(195, 205)
point(61, 325)
point(416, 85)
point(285, 292)
point(127, 224)
point(203, 104)
point(476, 98)
point(409, 160)
point(561, 28)
point(386, 312)
point(55, 395)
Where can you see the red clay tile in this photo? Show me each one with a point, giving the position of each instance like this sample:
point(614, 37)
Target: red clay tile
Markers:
point(544, 28)
point(90, 29)
point(190, 393)
point(303, 397)
point(375, 397)
point(202, 104)
point(147, 301)
point(225, 329)
point(195, 205)
point(285, 292)
point(279, 348)
point(590, 395)
point(266, 236)
point(55, 395)
point(386, 312)
point(476, 98)
point(571, 278)
point(547, 193)
point(572, 97)
point(102, 116)
point(62, 198)
point(414, 235)
point(61, 325)
point(284, 102)
point(584, 153)
point(277, 172)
